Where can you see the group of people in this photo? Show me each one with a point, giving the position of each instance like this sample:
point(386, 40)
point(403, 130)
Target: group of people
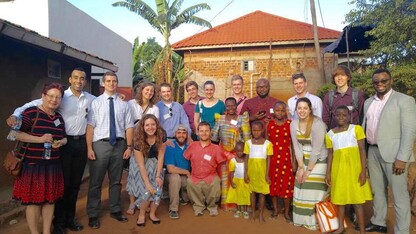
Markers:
point(239, 153)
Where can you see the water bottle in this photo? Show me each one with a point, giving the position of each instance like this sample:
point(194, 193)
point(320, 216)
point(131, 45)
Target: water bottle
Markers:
point(158, 195)
point(47, 150)
point(15, 129)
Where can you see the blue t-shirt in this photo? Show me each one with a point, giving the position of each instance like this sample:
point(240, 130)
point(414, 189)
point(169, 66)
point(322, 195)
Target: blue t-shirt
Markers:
point(174, 156)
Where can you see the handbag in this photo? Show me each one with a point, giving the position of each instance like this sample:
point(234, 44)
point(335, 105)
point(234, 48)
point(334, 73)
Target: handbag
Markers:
point(13, 163)
point(326, 214)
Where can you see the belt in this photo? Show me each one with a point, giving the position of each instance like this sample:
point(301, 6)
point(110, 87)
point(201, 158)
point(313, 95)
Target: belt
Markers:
point(374, 145)
point(79, 137)
point(108, 139)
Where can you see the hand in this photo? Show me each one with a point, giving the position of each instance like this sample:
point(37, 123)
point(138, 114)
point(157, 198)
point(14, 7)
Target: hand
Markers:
point(122, 96)
point(233, 185)
point(260, 115)
point(267, 179)
point(246, 179)
point(91, 155)
point(11, 121)
point(362, 178)
point(59, 143)
point(170, 143)
point(159, 182)
point(328, 179)
point(305, 176)
point(229, 155)
point(150, 189)
point(399, 167)
point(46, 138)
point(127, 153)
point(299, 174)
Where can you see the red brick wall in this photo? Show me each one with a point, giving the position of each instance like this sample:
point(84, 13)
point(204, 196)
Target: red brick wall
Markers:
point(220, 64)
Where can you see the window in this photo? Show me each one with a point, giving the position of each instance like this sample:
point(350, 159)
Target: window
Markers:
point(248, 65)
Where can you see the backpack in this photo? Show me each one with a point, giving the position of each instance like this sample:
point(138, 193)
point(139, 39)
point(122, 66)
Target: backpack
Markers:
point(354, 101)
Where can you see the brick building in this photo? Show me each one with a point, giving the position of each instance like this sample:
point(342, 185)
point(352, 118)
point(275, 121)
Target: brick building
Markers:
point(257, 45)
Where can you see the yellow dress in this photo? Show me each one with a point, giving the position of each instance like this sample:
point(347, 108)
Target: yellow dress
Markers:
point(256, 167)
point(241, 194)
point(346, 167)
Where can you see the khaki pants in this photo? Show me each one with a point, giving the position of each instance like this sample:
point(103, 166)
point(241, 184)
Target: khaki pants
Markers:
point(177, 189)
point(203, 193)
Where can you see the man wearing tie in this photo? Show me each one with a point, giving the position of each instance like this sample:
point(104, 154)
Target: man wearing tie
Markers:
point(110, 126)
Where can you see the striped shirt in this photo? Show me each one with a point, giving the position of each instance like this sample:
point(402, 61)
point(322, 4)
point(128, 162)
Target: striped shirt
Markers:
point(45, 123)
point(99, 117)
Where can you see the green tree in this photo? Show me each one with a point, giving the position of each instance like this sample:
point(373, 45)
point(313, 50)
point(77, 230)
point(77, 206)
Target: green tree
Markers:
point(394, 32)
point(145, 55)
point(165, 19)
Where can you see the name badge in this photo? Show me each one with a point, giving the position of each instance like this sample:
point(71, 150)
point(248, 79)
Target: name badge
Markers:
point(166, 116)
point(57, 122)
point(207, 157)
point(233, 122)
point(271, 111)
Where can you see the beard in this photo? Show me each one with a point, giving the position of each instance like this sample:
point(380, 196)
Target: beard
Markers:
point(181, 142)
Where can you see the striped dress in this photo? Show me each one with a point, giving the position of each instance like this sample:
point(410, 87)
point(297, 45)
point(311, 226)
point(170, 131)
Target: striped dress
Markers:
point(229, 133)
point(41, 180)
point(312, 191)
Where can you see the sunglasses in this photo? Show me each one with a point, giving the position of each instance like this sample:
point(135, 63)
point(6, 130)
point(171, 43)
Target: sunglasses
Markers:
point(170, 112)
point(376, 82)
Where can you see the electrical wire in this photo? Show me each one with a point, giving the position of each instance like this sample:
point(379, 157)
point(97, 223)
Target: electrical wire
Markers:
point(216, 15)
point(320, 12)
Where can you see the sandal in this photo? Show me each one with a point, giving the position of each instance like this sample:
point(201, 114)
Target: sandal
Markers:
point(288, 219)
point(131, 210)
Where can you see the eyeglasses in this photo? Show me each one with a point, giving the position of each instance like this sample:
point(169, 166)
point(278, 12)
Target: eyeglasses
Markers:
point(376, 82)
point(170, 112)
point(58, 98)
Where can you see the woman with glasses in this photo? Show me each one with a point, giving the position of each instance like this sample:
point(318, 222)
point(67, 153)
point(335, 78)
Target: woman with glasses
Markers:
point(143, 103)
point(41, 183)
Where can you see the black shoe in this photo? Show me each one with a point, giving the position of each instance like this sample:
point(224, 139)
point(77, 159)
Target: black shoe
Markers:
point(119, 217)
point(74, 226)
point(375, 228)
point(58, 229)
point(94, 223)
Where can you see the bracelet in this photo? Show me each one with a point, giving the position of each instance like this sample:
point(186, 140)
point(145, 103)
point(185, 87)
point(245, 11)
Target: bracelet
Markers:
point(309, 169)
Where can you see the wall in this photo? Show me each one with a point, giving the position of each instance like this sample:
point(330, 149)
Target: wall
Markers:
point(59, 19)
point(283, 61)
point(79, 30)
point(23, 70)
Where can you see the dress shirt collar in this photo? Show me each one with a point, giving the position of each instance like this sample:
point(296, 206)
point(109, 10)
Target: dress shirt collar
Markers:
point(385, 97)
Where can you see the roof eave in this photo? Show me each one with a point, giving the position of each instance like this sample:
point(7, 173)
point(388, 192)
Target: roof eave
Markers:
point(259, 44)
point(35, 39)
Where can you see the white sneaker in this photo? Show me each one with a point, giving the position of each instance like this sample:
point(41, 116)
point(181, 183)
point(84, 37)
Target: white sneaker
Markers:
point(237, 214)
point(213, 212)
point(246, 215)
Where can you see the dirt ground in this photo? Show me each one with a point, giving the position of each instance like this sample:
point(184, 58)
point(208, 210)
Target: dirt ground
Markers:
point(188, 223)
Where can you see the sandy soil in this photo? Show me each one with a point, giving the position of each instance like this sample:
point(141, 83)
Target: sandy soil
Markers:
point(223, 223)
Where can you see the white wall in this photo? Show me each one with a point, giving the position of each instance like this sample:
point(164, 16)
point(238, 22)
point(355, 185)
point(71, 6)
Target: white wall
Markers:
point(31, 14)
point(59, 19)
point(81, 31)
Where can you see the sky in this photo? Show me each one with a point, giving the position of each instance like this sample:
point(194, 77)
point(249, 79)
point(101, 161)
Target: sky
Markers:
point(330, 13)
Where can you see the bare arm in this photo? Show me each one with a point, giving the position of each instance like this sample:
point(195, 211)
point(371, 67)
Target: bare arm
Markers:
point(89, 135)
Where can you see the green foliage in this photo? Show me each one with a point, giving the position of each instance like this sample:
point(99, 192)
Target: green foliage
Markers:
point(145, 56)
point(404, 80)
point(394, 31)
point(164, 20)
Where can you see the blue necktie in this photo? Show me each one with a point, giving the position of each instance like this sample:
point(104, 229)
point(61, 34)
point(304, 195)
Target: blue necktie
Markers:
point(113, 134)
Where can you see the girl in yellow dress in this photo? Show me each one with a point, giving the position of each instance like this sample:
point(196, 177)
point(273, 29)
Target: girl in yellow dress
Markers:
point(239, 192)
point(258, 150)
point(346, 172)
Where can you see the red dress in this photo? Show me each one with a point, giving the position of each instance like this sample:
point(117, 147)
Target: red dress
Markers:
point(281, 174)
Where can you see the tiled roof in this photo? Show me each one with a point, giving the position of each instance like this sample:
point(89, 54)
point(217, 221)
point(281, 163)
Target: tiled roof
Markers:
point(255, 28)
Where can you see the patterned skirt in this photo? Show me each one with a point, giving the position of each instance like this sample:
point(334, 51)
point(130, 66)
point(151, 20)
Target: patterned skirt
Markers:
point(39, 184)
